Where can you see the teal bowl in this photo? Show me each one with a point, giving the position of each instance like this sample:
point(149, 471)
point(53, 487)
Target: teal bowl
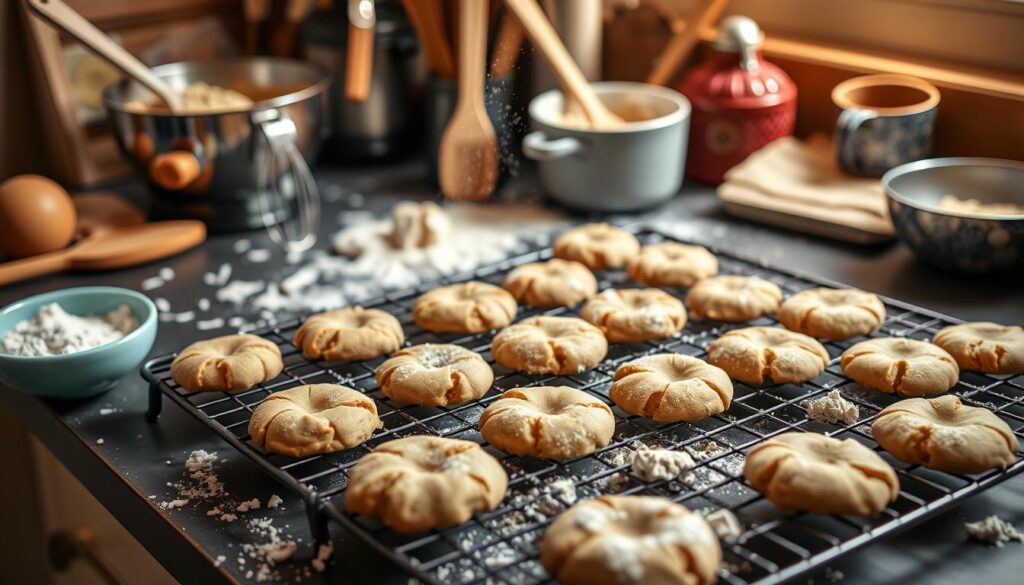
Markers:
point(85, 373)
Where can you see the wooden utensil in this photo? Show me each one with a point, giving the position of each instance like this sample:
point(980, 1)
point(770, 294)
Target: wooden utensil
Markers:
point(679, 48)
point(111, 248)
point(506, 46)
point(362, 19)
point(97, 212)
point(282, 41)
point(255, 12)
point(63, 17)
point(427, 18)
point(546, 40)
point(468, 161)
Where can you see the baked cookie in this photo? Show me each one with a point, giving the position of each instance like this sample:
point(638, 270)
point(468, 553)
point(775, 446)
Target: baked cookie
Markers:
point(984, 347)
point(550, 422)
point(617, 540)
point(597, 245)
point(555, 283)
point(830, 313)
point(232, 362)
point(349, 334)
point(423, 482)
point(669, 387)
point(318, 418)
point(759, 354)
point(468, 307)
point(672, 264)
point(434, 375)
point(812, 472)
point(635, 314)
point(896, 364)
point(549, 345)
point(733, 298)
point(945, 434)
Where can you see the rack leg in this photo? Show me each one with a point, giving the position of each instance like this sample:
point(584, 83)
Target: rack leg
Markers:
point(156, 403)
point(317, 522)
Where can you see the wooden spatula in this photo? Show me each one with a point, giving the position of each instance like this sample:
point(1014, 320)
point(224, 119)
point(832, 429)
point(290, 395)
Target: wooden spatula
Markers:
point(468, 161)
point(111, 248)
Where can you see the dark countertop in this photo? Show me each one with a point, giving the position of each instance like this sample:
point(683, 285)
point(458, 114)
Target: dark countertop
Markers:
point(127, 462)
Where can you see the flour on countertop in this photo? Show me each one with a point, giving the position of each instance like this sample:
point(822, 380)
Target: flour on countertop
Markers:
point(53, 331)
point(994, 530)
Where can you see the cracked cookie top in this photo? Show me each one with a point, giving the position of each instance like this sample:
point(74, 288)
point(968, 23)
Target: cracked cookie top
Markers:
point(434, 375)
point(597, 246)
point(549, 345)
point(353, 333)
point(829, 313)
point(468, 307)
point(733, 298)
point(635, 314)
point(759, 354)
point(555, 283)
point(672, 264)
point(670, 387)
point(232, 362)
point(550, 422)
point(897, 364)
point(984, 347)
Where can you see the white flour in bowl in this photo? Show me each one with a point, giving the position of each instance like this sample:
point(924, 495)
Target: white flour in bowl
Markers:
point(55, 332)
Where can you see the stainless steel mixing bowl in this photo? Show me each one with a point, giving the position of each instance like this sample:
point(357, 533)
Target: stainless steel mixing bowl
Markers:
point(235, 169)
point(964, 242)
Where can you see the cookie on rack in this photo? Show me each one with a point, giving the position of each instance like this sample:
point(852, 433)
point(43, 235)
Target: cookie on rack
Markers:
point(597, 245)
point(349, 334)
point(635, 314)
point(760, 354)
point(630, 539)
point(231, 362)
point(897, 364)
point(672, 264)
point(422, 482)
point(434, 375)
point(945, 434)
point(984, 347)
point(733, 298)
point(669, 387)
point(830, 313)
point(812, 472)
point(549, 345)
point(467, 307)
point(549, 422)
point(316, 418)
point(555, 283)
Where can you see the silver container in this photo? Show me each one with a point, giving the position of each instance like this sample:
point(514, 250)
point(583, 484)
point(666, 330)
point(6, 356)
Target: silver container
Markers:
point(250, 166)
point(959, 241)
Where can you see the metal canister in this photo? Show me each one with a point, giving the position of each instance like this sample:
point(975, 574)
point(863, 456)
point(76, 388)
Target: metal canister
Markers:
point(740, 102)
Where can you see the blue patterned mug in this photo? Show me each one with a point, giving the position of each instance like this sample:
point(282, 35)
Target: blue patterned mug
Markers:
point(884, 121)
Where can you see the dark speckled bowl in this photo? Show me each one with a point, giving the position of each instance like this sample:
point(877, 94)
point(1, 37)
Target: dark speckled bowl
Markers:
point(963, 242)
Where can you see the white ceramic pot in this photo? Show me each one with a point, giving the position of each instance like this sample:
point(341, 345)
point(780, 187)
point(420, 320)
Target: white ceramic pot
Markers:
point(636, 166)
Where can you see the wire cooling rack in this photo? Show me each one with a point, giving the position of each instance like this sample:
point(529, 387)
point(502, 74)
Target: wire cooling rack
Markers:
point(500, 546)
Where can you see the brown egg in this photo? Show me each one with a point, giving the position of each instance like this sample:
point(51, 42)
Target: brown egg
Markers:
point(36, 216)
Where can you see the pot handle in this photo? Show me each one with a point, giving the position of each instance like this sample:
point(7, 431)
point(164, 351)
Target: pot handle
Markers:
point(278, 133)
point(537, 146)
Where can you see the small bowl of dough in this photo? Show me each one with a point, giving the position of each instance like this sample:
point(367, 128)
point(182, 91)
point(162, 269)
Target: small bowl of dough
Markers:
point(961, 214)
point(75, 342)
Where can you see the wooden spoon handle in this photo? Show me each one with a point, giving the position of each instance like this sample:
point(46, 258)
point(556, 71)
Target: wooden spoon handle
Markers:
point(472, 49)
point(66, 19)
point(359, 63)
point(680, 46)
point(506, 46)
point(34, 266)
point(427, 17)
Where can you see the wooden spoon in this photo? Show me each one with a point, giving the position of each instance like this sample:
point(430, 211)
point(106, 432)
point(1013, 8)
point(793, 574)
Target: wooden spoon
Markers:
point(682, 44)
point(362, 20)
point(63, 17)
point(575, 84)
point(427, 17)
point(112, 248)
point(468, 161)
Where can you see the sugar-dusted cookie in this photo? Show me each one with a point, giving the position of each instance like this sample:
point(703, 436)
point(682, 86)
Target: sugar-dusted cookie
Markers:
point(672, 264)
point(830, 313)
point(897, 364)
point(668, 387)
point(759, 354)
point(812, 472)
point(468, 307)
point(635, 314)
point(434, 375)
point(549, 345)
point(318, 418)
point(984, 347)
point(423, 482)
point(555, 283)
point(349, 334)
point(613, 540)
point(232, 362)
point(733, 298)
point(944, 434)
point(550, 422)
point(597, 245)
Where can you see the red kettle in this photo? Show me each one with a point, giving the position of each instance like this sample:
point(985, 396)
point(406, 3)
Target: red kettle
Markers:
point(740, 102)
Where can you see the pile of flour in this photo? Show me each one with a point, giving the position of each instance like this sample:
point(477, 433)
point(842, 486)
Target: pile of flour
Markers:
point(53, 331)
